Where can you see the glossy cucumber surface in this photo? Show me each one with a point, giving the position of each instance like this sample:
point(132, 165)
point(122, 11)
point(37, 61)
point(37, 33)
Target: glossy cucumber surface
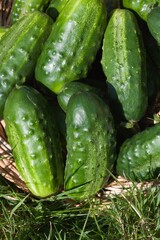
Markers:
point(19, 50)
point(141, 7)
point(72, 45)
point(124, 64)
point(34, 139)
point(138, 159)
point(22, 7)
point(91, 145)
point(70, 89)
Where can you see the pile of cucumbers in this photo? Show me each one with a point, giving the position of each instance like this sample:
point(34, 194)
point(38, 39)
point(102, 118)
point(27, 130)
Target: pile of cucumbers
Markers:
point(78, 82)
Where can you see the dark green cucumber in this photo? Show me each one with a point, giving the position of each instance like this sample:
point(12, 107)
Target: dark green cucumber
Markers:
point(19, 50)
point(153, 22)
point(55, 7)
point(70, 89)
point(23, 7)
point(124, 64)
point(72, 45)
point(32, 134)
point(90, 145)
point(138, 159)
point(141, 7)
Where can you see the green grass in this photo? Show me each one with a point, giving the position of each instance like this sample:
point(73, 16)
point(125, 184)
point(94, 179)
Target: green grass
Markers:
point(126, 217)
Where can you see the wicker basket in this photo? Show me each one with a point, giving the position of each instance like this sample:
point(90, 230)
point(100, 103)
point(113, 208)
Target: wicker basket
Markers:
point(8, 169)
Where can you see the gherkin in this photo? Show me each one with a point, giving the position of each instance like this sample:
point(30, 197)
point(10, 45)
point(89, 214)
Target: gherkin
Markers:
point(72, 44)
point(91, 145)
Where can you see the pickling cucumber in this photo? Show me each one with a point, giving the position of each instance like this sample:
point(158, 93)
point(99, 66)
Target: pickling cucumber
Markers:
point(141, 7)
point(72, 45)
point(19, 50)
point(91, 145)
point(22, 7)
point(124, 64)
point(138, 159)
point(34, 139)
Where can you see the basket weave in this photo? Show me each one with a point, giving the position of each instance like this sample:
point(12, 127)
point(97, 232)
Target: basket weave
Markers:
point(8, 169)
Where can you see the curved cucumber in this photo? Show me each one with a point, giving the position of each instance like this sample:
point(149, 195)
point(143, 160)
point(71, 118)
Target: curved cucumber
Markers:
point(124, 64)
point(72, 45)
point(22, 7)
point(90, 145)
point(34, 139)
point(19, 50)
point(138, 159)
point(141, 7)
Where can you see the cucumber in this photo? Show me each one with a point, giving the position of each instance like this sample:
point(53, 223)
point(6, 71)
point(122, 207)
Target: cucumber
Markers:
point(73, 87)
point(72, 45)
point(138, 159)
point(91, 144)
point(153, 22)
point(20, 48)
point(70, 89)
point(55, 7)
point(141, 7)
point(124, 64)
point(34, 139)
point(22, 7)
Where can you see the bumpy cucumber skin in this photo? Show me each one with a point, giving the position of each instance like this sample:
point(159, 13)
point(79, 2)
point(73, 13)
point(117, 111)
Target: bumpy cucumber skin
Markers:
point(34, 139)
point(72, 45)
point(20, 48)
point(138, 159)
point(153, 22)
point(70, 89)
point(141, 7)
point(124, 63)
point(90, 145)
point(23, 7)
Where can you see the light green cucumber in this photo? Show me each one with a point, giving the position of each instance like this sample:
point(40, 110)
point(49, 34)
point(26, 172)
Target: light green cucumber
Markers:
point(55, 7)
point(72, 45)
point(34, 139)
point(141, 7)
point(19, 50)
point(22, 7)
